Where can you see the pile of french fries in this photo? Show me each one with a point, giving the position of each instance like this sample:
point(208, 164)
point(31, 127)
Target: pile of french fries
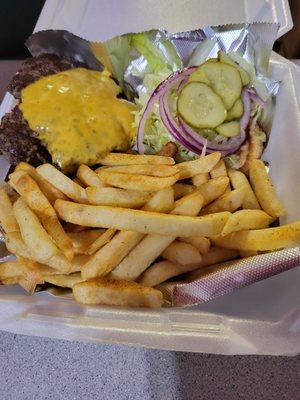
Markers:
point(113, 234)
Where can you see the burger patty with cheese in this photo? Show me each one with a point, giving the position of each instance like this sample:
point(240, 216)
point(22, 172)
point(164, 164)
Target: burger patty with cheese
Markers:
point(66, 114)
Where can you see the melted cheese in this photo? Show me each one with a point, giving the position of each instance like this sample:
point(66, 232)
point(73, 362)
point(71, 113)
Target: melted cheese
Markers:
point(77, 115)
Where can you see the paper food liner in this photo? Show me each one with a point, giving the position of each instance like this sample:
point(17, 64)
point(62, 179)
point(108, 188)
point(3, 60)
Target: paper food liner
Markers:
point(251, 42)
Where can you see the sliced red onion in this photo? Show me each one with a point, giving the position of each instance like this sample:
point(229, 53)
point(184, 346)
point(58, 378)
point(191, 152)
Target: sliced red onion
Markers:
point(244, 121)
point(255, 97)
point(175, 131)
point(164, 86)
point(203, 153)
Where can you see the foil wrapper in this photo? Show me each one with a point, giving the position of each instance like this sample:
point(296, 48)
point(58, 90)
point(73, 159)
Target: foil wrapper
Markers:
point(217, 280)
point(129, 65)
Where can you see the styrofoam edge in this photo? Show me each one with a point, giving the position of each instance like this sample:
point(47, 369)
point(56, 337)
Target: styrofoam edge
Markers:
point(206, 333)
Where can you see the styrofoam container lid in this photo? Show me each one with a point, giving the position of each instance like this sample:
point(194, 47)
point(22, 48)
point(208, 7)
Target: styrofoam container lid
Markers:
point(101, 19)
point(263, 318)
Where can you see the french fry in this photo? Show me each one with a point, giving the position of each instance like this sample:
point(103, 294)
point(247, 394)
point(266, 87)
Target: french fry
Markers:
point(108, 196)
point(38, 202)
point(182, 189)
point(137, 182)
point(205, 164)
point(261, 239)
point(238, 179)
point(89, 177)
point(78, 182)
point(218, 170)
point(145, 169)
point(161, 201)
point(11, 281)
point(245, 253)
point(264, 189)
point(100, 241)
point(73, 228)
point(11, 269)
point(200, 242)
point(7, 217)
point(182, 253)
point(162, 271)
point(152, 246)
point(199, 179)
point(215, 255)
point(169, 149)
point(213, 189)
point(134, 159)
point(141, 221)
point(65, 281)
point(82, 240)
point(51, 192)
point(109, 256)
point(16, 245)
point(246, 219)
point(32, 231)
point(230, 201)
point(62, 182)
point(117, 293)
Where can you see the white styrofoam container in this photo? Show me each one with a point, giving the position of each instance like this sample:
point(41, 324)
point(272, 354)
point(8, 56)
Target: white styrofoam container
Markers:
point(260, 319)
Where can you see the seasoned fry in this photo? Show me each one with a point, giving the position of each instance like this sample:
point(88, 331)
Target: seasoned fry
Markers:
point(246, 219)
point(117, 293)
point(100, 241)
point(108, 196)
point(66, 281)
point(245, 253)
point(170, 149)
point(162, 271)
point(182, 253)
point(39, 203)
point(145, 169)
point(262, 239)
point(133, 159)
point(89, 177)
point(11, 269)
point(16, 245)
point(238, 179)
point(152, 246)
point(141, 221)
point(109, 256)
point(7, 217)
point(218, 170)
point(161, 201)
point(215, 255)
point(182, 189)
point(264, 189)
point(199, 179)
point(78, 181)
point(213, 189)
point(62, 182)
point(32, 231)
point(200, 242)
point(11, 281)
point(51, 192)
point(205, 164)
point(230, 201)
point(82, 240)
point(137, 182)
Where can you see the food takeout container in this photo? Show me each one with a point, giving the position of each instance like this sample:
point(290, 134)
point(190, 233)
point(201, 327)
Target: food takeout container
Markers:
point(260, 319)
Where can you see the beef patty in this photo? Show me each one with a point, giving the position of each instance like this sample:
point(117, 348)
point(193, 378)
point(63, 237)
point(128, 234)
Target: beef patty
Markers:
point(17, 140)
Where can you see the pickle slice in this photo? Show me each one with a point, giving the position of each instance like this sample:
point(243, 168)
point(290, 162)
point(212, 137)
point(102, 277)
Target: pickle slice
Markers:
point(236, 111)
point(200, 106)
point(224, 79)
point(229, 129)
point(199, 76)
point(224, 58)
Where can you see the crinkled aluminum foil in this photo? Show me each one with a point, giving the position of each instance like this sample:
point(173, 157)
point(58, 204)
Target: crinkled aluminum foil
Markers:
point(251, 41)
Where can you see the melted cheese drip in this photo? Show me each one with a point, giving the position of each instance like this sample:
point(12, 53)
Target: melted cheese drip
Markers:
point(77, 116)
